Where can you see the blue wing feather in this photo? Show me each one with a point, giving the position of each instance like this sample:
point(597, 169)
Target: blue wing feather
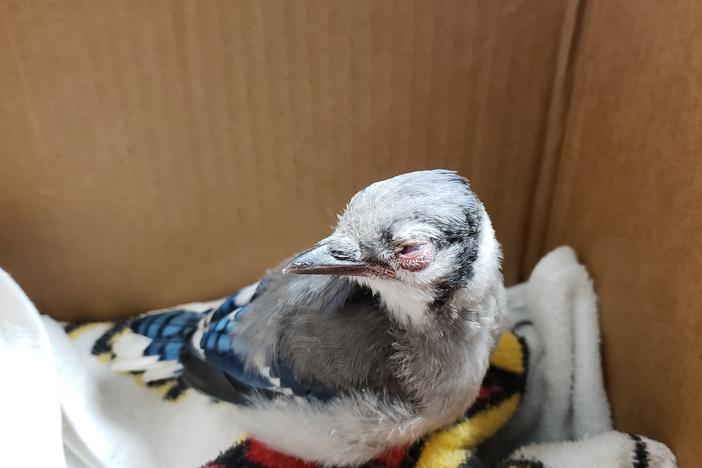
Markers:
point(168, 331)
point(220, 347)
point(171, 324)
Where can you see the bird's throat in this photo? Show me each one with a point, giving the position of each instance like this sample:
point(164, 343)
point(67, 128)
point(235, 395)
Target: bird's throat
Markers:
point(406, 305)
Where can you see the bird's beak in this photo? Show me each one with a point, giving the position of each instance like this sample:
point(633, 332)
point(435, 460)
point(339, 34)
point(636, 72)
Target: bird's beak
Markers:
point(320, 260)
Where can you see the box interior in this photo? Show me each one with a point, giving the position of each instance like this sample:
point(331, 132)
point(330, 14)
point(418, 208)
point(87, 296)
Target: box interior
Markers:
point(161, 152)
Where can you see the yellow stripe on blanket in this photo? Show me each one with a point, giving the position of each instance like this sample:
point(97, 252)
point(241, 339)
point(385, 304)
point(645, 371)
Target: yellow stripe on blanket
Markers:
point(75, 330)
point(508, 354)
point(453, 447)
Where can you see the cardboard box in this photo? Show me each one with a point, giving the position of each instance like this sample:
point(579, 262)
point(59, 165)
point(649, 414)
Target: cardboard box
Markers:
point(158, 152)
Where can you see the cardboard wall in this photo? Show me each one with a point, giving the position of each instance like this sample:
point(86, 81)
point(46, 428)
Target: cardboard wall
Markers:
point(159, 152)
point(629, 199)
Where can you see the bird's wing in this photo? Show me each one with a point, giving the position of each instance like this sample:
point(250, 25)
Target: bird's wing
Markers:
point(295, 336)
point(154, 343)
point(218, 363)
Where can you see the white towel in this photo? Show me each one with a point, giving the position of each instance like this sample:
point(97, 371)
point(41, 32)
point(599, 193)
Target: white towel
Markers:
point(30, 408)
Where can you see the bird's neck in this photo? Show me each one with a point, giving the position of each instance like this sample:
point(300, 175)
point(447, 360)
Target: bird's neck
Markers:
point(408, 306)
point(415, 309)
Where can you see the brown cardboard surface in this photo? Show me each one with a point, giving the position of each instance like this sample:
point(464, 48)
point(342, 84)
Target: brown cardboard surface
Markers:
point(628, 199)
point(559, 107)
point(158, 152)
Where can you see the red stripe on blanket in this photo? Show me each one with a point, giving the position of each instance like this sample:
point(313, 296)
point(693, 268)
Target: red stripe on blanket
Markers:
point(259, 453)
point(394, 457)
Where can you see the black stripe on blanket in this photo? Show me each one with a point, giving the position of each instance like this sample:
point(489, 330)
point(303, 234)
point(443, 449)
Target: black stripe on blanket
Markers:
point(73, 326)
point(103, 345)
point(640, 452)
point(521, 463)
point(178, 388)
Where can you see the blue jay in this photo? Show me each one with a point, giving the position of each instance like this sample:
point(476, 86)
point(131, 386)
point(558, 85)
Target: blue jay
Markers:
point(375, 336)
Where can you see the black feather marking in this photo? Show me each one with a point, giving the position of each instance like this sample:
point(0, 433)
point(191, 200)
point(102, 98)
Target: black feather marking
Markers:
point(387, 237)
point(212, 381)
point(165, 323)
point(261, 288)
point(468, 235)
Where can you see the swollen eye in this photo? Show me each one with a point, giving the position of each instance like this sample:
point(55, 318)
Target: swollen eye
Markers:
point(408, 249)
point(415, 257)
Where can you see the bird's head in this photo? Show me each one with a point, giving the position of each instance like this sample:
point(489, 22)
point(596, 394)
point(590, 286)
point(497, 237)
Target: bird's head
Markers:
point(415, 240)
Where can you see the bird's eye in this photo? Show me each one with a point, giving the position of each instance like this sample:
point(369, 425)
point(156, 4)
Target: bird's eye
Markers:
point(415, 256)
point(408, 249)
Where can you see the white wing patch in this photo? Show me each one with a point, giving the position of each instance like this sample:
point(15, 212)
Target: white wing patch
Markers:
point(245, 294)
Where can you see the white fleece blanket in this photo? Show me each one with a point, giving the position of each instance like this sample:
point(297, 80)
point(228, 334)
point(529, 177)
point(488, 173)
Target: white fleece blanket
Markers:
point(62, 405)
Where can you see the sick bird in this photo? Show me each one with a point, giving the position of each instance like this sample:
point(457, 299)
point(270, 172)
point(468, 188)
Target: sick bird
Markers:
point(375, 336)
